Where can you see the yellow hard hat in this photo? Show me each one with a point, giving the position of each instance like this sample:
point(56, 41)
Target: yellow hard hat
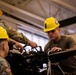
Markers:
point(1, 12)
point(50, 24)
point(3, 33)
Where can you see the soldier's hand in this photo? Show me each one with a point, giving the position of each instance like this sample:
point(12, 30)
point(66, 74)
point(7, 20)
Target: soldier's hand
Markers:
point(32, 44)
point(54, 49)
point(19, 46)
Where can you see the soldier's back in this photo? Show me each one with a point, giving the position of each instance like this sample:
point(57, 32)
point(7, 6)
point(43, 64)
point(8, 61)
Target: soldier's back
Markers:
point(4, 67)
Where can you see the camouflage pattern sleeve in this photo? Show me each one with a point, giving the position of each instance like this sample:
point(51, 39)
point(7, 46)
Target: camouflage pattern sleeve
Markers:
point(4, 67)
point(14, 34)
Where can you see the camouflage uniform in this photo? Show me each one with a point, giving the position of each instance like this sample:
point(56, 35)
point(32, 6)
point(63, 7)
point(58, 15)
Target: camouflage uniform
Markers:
point(4, 67)
point(14, 34)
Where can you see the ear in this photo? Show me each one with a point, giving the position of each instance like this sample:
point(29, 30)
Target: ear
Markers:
point(3, 47)
point(59, 29)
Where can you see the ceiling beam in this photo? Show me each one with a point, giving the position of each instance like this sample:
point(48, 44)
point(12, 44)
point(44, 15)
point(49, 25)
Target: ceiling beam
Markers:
point(62, 3)
point(24, 26)
point(22, 14)
point(68, 21)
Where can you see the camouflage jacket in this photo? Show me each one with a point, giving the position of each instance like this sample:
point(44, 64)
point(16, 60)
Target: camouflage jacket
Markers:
point(4, 67)
point(13, 33)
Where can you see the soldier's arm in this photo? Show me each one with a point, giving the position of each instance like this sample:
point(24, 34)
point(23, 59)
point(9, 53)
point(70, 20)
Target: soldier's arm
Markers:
point(14, 34)
point(17, 35)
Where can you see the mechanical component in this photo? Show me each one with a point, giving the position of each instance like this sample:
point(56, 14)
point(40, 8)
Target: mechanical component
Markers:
point(27, 63)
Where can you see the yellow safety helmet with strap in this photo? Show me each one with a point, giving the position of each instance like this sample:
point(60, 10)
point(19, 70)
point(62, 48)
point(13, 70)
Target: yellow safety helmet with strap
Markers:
point(3, 34)
point(1, 12)
point(50, 24)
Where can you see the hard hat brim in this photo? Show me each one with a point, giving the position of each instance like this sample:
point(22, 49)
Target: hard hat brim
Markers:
point(5, 38)
point(8, 39)
point(50, 29)
point(1, 13)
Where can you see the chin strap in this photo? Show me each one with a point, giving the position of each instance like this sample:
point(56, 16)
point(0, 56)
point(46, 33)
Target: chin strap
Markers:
point(61, 70)
point(49, 66)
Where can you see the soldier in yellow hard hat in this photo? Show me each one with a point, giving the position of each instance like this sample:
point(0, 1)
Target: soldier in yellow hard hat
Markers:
point(4, 48)
point(17, 37)
point(59, 42)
